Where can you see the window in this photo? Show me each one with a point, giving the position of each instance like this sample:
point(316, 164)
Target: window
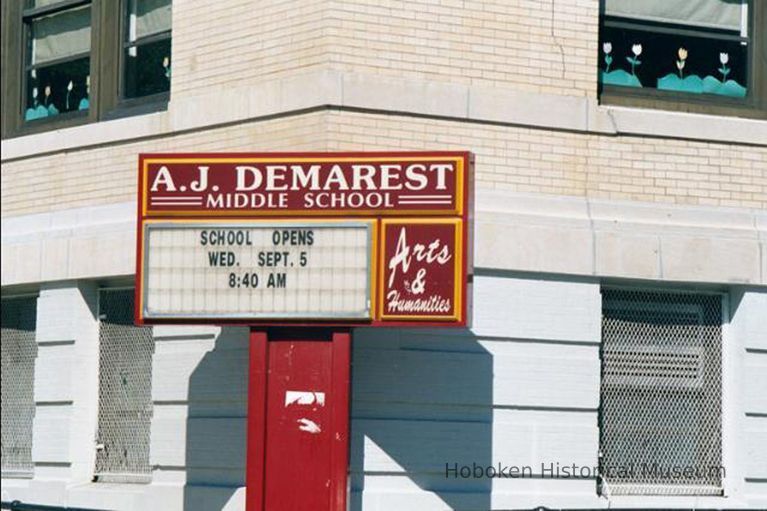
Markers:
point(19, 350)
point(57, 60)
point(661, 405)
point(125, 391)
point(146, 57)
point(696, 55)
point(82, 61)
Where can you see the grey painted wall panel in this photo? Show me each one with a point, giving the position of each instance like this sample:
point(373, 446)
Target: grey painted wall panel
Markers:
point(755, 380)
point(521, 387)
point(544, 309)
point(755, 439)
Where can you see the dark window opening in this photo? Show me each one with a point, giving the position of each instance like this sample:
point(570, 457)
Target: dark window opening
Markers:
point(147, 69)
point(146, 56)
point(691, 63)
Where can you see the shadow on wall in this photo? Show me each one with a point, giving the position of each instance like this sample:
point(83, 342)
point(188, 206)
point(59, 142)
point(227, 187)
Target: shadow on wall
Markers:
point(216, 424)
point(421, 403)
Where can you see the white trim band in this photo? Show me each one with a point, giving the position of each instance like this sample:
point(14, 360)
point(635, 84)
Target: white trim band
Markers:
point(516, 232)
point(392, 95)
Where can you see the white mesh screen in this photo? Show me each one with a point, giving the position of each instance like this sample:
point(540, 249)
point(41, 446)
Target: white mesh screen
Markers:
point(125, 391)
point(661, 393)
point(19, 350)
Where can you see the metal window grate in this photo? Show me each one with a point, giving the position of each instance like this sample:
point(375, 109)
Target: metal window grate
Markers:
point(19, 350)
point(661, 393)
point(125, 391)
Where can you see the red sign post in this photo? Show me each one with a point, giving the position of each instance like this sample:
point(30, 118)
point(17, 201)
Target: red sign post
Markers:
point(302, 247)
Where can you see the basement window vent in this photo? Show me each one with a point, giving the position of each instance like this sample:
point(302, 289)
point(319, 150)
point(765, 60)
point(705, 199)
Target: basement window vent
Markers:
point(661, 406)
point(19, 351)
point(647, 367)
point(125, 391)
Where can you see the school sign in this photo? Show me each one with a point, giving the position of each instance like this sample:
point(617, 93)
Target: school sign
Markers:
point(320, 238)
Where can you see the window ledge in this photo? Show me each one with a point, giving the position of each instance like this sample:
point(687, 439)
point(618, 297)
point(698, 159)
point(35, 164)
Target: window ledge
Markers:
point(345, 90)
point(663, 123)
point(99, 133)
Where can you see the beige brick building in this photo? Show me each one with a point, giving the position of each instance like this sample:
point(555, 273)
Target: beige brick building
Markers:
point(582, 190)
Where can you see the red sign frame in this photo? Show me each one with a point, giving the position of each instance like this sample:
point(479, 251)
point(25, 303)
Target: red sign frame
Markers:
point(425, 191)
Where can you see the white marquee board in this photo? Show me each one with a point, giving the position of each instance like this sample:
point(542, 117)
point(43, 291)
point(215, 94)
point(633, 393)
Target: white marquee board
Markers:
point(251, 270)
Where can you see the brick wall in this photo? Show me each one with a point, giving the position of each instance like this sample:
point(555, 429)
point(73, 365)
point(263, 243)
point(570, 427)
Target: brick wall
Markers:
point(533, 45)
point(233, 42)
point(545, 46)
point(558, 162)
point(108, 174)
point(510, 158)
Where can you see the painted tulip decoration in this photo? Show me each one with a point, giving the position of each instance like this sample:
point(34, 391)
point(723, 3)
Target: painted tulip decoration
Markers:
point(607, 48)
point(84, 102)
point(682, 54)
point(724, 58)
point(70, 86)
point(166, 66)
point(636, 49)
point(52, 110)
point(32, 112)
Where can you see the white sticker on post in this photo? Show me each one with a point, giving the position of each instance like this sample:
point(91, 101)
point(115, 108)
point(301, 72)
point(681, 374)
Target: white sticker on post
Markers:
point(309, 426)
point(304, 397)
